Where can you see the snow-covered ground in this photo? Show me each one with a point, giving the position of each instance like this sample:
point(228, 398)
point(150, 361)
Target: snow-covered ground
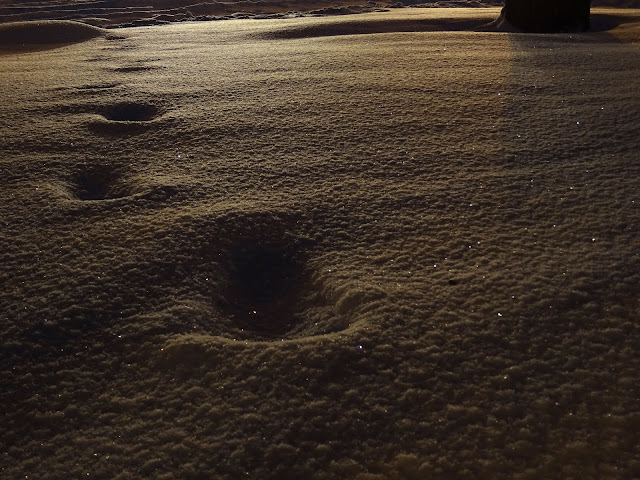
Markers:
point(325, 248)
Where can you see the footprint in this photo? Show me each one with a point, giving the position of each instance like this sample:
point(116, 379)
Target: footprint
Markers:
point(109, 182)
point(101, 182)
point(125, 118)
point(131, 112)
point(136, 68)
point(97, 86)
point(269, 284)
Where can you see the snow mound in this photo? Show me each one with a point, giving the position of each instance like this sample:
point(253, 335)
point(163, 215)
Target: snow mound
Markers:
point(332, 26)
point(50, 32)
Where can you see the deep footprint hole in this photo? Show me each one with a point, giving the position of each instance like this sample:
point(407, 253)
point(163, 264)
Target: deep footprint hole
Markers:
point(97, 183)
point(264, 290)
point(131, 112)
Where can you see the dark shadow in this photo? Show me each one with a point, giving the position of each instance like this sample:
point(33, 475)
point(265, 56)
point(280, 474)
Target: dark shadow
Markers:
point(100, 182)
point(602, 22)
point(264, 290)
point(131, 112)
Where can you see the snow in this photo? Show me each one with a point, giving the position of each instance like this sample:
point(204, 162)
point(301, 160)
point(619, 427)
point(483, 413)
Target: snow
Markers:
point(243, 249)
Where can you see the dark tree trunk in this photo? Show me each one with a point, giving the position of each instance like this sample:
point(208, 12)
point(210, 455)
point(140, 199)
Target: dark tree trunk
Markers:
point(548, 15)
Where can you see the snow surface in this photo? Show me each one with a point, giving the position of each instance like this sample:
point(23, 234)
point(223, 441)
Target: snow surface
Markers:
point(269, 249)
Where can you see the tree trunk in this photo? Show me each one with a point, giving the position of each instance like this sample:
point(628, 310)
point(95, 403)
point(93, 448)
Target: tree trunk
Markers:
point(547, 16)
